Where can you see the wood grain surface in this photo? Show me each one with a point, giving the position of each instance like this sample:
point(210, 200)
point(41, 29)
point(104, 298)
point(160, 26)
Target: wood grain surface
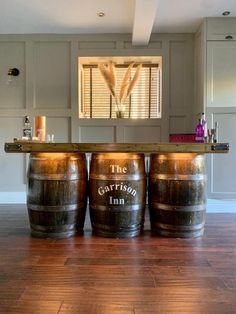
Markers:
point(90, 274)
point(27, 147)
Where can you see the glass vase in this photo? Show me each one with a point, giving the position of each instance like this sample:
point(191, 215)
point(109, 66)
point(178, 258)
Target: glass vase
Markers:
point(120, 114)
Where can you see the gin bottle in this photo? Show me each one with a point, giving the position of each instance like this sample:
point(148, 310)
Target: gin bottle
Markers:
point(199, 132)
point(27, 129)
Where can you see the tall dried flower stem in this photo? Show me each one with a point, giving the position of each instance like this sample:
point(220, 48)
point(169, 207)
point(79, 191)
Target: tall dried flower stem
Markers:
point(109, 75)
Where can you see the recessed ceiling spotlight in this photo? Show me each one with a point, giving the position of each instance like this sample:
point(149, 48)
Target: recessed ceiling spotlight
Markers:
point(101, 14)
point(226, 13)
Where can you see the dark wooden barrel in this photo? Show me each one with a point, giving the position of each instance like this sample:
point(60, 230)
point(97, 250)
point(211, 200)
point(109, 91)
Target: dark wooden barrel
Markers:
point(56, 194)
point(177, 194)
point(117, 194)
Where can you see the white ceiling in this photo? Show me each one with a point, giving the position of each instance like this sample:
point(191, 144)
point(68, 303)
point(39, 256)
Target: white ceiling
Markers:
point(139, 17)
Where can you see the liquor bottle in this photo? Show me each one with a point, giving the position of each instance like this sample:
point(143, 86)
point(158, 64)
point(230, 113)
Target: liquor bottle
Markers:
point(27, 129)
point(204, 123)
point(216, 137)
point(199, 132)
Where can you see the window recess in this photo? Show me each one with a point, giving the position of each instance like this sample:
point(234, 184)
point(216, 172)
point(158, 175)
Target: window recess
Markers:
point(144, 101)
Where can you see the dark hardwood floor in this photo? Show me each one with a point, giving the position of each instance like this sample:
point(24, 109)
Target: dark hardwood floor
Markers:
point(88, 274)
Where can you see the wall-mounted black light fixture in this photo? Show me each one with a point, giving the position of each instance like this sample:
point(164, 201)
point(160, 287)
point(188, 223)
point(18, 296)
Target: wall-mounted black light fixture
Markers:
point(13, 72)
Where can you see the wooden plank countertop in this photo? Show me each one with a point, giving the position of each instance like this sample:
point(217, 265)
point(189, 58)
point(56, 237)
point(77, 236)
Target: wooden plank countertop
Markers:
point(28, 147)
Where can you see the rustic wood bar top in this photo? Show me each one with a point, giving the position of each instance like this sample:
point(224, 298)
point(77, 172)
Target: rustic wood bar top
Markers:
point(28, 147)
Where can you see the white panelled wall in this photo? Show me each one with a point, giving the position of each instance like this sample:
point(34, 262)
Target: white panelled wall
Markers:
point(216, 76)
point(48, 85)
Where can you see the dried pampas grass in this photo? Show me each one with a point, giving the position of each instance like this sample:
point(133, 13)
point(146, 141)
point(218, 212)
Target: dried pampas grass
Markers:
point(112, 72)
point(108, 72)
point(125, 84)
point(134, 80)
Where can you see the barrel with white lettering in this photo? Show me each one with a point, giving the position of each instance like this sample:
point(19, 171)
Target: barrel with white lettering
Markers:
point(117, 194)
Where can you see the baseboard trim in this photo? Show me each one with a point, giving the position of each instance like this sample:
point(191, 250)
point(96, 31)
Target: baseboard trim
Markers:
point(221, 205)
point(213, 205)
point(12, 198)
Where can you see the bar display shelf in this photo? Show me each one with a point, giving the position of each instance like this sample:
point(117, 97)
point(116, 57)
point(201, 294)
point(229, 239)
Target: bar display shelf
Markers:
point(200, 148)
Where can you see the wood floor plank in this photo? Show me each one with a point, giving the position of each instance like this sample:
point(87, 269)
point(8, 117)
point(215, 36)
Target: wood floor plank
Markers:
point(98, 308)
point(32, 307)
point(110, 295)
point(185, 308)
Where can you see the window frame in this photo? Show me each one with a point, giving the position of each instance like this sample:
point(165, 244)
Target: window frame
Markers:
point(150, 65)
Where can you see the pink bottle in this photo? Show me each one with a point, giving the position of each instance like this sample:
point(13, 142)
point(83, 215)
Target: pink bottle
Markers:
point(199, 132)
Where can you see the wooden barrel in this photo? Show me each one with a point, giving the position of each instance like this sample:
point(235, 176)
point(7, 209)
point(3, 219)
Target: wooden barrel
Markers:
point(117, 190)
point(56, 194)
point(177, 194)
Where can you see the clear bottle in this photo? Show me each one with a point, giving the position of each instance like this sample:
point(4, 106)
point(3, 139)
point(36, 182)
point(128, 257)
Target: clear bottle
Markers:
point(199, 138)
point(27, 129)
point(204, 123)
point(216, 138)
